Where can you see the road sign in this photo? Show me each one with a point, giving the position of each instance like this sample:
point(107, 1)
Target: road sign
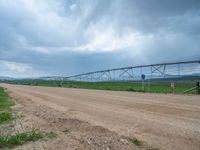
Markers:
point(143, 76)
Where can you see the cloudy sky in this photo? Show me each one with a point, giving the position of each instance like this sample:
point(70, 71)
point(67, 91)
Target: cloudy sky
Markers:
point(67, 37)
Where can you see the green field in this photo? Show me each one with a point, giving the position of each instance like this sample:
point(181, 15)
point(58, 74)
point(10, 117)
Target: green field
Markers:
point(154, 87)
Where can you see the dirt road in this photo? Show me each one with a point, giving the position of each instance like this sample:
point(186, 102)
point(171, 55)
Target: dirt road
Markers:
point(169, 122)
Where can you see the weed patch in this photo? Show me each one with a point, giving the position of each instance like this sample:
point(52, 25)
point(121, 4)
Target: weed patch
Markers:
point(136, 142)
point(5, 117)
point(11, 141)
point(19, 139)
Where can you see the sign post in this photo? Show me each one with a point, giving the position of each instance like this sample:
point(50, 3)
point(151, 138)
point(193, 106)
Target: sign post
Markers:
point(198, 88)
point(149, 83)
point(143, 79)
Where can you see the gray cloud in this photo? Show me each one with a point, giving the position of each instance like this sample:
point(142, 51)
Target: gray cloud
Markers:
point(65, 37)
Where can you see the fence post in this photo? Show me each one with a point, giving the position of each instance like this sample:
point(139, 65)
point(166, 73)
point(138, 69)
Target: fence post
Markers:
point(173, 87)
point(198, 87)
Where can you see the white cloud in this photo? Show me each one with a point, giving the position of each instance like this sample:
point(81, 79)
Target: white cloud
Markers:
point(101, 37)
point(11, 68)
point(106, 41)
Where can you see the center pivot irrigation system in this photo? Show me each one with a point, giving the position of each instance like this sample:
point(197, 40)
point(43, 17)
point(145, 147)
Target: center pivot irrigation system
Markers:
point(153, 71)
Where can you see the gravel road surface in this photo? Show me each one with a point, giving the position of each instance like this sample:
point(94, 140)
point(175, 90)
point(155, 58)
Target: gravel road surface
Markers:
point(169, 122)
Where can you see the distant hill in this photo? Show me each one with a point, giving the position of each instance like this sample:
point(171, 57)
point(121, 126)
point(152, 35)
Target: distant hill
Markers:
point(4, 78)
point(176, 78)
point(192, 77)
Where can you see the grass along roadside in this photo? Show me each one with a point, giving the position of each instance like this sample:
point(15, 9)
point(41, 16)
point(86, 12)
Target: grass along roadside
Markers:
point(6, 117)
point(5, 107)
point(17, 139)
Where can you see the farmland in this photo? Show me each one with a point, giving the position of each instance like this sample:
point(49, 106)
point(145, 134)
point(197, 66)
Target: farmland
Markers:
point(153, 87)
